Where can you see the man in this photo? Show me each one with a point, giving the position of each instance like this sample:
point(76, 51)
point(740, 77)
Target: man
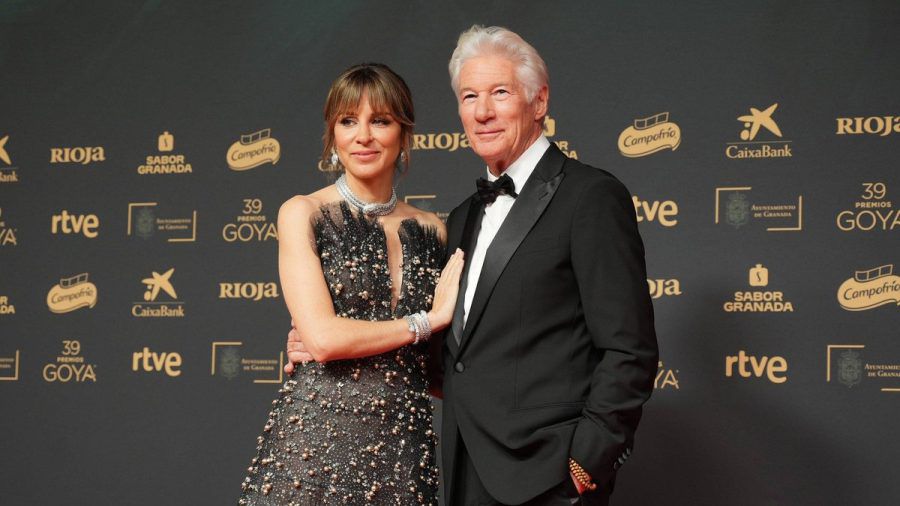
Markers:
point(552, 350)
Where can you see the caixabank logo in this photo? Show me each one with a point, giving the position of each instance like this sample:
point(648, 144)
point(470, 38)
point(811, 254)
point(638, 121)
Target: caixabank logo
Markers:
point(649, 135)
point(8, 172)
point(760, 136)
point(7, 233)
point(742, 206)
point(70, 366)
point(81, 155)
point(165, 161)
point(871, 212)
point(869, 289)
point(160, 300)
point(72, 293)
point(148, 220)
point(758, 299)
point(881, 126)
point(252, 225)
point(252, 150)
point(229, 362)
point(849, 366)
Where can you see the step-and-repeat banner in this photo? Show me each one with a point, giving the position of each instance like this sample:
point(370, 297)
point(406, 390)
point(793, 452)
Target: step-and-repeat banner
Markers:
point(145, 148)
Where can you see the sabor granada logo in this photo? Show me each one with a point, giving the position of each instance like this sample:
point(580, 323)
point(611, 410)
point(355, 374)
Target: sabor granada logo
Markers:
point(881, 126)
point(72, 293)
point(751, 148)
point(649, 135)
point(253, 150)
point(6, 307)
point(870, 289)
point(758, 301)
point(165, 164)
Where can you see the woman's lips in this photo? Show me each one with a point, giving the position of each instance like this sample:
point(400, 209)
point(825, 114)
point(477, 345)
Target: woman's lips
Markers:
point(365, 156)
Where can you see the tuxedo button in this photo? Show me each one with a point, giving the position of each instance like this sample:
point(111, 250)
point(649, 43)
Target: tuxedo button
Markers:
point(459, 367)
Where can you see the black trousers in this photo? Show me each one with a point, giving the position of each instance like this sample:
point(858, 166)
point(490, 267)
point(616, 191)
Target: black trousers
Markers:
point(468, 490)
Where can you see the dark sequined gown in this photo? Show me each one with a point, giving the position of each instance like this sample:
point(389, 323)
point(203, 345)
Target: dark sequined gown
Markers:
point(356, 431)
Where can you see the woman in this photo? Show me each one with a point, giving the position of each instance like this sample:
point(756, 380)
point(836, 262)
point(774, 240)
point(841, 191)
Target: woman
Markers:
point(359, 271)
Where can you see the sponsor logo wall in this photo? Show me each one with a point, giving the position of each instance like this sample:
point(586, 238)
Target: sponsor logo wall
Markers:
point(764, 200)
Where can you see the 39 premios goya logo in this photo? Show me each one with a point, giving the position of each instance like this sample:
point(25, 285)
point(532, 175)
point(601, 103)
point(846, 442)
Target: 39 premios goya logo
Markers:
point(9, 173)
point(7, 233)
point(70, 366)
point(147, 220)
point(253, 150)
point(760, 137)
point(72, 293)
point(649, 135)
point(741, 206)
point(666, 378)
point(872, 211)
point(165, 160)
point(229, 361)
point(160, 300)
point(252, 225)
point(757, 299)
point(852, 366)
point(869, 289)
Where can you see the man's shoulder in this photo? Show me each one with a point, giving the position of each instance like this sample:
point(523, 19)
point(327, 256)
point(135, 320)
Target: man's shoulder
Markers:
point(581, 176)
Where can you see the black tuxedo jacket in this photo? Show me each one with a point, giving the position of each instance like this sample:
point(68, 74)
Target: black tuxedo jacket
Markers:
point(559, 353)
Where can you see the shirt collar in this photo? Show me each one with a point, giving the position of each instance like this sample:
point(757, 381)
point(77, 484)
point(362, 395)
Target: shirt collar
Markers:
point(522, 168)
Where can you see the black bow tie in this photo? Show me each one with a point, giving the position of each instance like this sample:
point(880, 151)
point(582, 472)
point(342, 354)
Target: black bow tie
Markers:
point(488, 191)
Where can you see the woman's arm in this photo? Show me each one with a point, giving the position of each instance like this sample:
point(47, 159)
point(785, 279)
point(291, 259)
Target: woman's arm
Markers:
point(326, 336)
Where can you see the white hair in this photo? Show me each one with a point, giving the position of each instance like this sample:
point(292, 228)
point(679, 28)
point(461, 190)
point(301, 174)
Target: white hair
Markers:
point(531, 71)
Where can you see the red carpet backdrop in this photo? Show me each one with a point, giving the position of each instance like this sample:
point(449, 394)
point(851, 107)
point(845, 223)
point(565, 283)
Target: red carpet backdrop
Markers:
point(145, 148)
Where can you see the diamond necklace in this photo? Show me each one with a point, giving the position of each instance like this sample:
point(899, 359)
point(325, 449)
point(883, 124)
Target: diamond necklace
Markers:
point(367, 208)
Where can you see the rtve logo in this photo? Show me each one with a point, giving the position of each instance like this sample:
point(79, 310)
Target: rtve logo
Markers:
point(151, 361)
point(750, 366)
point(65, 223)
point(664, 212)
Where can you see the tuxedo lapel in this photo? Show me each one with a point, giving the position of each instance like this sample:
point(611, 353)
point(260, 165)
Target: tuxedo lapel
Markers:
point(528, 208)
point(466, 243)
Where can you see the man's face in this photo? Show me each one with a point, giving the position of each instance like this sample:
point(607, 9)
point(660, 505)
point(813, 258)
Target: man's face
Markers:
point(495, 113)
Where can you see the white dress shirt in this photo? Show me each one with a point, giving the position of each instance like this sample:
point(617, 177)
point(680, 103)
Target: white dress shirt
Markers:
point(495, 213)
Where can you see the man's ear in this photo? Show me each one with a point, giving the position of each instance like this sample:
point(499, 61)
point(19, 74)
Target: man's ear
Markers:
point(541, 102)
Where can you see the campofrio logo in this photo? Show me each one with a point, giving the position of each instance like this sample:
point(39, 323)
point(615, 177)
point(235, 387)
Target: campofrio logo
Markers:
point(72, 293)
point(870, 289)
point(649, 135)
point(253, 150)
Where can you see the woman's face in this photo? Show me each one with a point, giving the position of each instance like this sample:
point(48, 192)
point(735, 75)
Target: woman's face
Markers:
point(367, 142)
